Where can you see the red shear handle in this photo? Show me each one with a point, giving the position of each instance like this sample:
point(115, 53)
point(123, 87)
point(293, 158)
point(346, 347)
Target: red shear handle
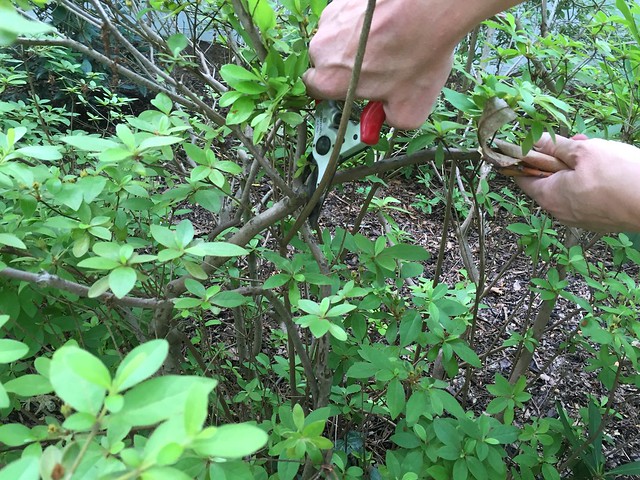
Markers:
point(371, 121)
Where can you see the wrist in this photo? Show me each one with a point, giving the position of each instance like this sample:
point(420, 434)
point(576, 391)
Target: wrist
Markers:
point(459, 19)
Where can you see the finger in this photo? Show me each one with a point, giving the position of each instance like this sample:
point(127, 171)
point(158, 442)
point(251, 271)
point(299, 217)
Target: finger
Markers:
point(547, 192)
point(404, 117)
point(544, 162)
point(562, 148)
point(408, 112)
point(523, 171)
point(532, 186)
point(327, 83)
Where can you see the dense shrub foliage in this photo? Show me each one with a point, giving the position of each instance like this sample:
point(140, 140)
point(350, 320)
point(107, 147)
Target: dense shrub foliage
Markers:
point(164, 315)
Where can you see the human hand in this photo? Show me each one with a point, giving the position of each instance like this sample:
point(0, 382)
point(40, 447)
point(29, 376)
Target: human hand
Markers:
point(407, 61)
point(598, 192)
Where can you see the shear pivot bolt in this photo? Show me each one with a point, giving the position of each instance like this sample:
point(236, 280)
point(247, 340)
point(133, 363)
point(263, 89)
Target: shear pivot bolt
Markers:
point(323, 145)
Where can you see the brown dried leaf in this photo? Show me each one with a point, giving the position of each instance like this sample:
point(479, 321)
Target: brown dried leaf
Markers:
point(497, 113)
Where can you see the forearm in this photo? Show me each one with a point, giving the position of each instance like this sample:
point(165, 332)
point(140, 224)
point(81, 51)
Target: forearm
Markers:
point(459, 18)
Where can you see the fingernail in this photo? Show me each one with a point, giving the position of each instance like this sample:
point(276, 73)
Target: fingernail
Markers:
point(580, 136)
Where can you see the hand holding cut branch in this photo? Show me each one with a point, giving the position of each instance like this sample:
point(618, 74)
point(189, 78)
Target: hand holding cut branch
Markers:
point(600, 189)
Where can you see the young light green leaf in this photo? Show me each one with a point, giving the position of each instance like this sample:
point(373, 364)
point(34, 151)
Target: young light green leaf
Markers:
point(11, 240)
point(29, 385)
point(122, 280)
point(40, 152)
point(160, 398)
point(79, 378)
point(99, 287)
point(11, 350)
point(89, 144)
point(230, 441)
point(26, 468)
point(216, 249)
point(139, 364)
point(163, 236)
point(177, 43)
point(156, 142)
point(4, 398)
point(99, 263)
point(184, 233)
point(15, 434)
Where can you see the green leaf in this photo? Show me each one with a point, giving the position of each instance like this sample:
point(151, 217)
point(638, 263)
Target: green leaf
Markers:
point(209, 200)
point(11, 241)
point(89, 143)
point(196, 410)
point(466, 354)
point(230, 441)
point(459, 100)
point(40, 152)
point(164, 236)
point(240, 111)
point(162, 102)
point(4, 398)
point(176, 43)
point(169, 254)
point(29, 385)
point(217, 249)
point(406, 252)
point(140, 363)
point(340, 310)
point(362, 370)
point(160, 398)
point(232, 73)
point(549, 472)
point(99, 263)
point(15, 434)
point(184, 233)
point(158, 141)
point(262, 13)
point(229, 299)
point(122, 280)
point(12, 25)
point(99, 287)
point(237, 470)
point(631, 22)
point(447, 432)
point(297, 414)
point(632, 468)
point(396, 398)
point(26, 468)
point(276, 280)
point(164, 473)
point(410, 327)
point(336, 331)
point(80, 422)
point(11, 350)
point(79, 378)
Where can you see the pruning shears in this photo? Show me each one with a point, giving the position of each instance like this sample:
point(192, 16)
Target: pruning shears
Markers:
point(363, 130)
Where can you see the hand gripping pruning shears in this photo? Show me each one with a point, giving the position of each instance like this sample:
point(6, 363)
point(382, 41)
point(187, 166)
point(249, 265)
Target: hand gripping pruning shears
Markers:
point(362, 131)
